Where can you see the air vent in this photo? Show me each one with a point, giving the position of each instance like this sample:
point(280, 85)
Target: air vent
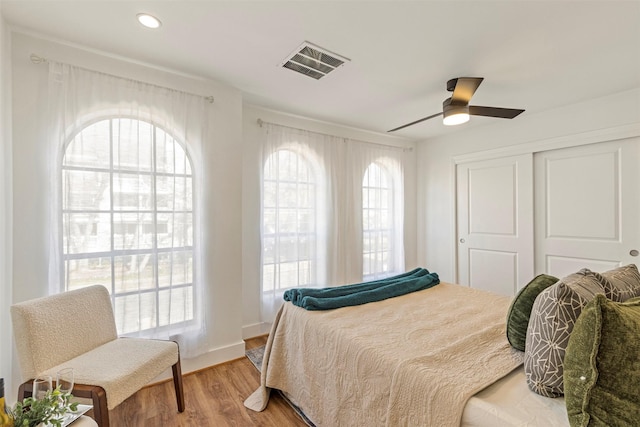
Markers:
point(313, 61)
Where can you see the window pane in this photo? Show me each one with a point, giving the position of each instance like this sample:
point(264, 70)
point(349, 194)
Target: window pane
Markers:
point(176, 305)
point(385, 218)
point(288, 195)
point(306, 221)
point(90, 148)
point(268, 250)
point(287, 162)
point(175, 230)
point(304, 273)
point(132, 145)
point(135, 312)
point(288, 275)
point(368, 219)
point(134, 273)
point(80, 273)
point(269, 221)
point(269, 194)
point(174, 193)
point(305, 195)
point(133, 231)
point(288, 249)
point(175, 268)
point(268, 277)
point(383, 200)
point(366, 265)
point(170, 155)
point(132, 192)
point(86, 233)
point(86, 190)
point(287, 221)
point(367, 244)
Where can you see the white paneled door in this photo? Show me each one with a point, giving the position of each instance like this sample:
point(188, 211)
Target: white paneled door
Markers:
point(495, 223)
point(587, 207)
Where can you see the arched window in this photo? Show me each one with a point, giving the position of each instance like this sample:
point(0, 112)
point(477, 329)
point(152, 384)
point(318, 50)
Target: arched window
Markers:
point(377, 222)
point(290, 226)
point(127, 210)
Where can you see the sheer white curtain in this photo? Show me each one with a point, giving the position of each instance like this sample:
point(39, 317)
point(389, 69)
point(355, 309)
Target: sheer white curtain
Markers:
point(375, 202)
point(298, 203)
point(126, 193)
point(312, 210)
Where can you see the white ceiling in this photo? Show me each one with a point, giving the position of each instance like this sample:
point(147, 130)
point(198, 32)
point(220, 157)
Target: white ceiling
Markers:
point(534, 55)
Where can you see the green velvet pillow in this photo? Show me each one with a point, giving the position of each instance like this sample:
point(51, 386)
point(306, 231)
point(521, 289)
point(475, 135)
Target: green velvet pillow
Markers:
point(520, 310)
point(602, 365)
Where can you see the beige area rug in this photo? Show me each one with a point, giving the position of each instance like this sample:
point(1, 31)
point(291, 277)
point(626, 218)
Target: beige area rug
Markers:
point(255, 356)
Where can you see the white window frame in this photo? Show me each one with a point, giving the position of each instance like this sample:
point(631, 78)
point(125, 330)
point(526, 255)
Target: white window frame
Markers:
point(158, 324)
point(377, 204)
point(273, 266)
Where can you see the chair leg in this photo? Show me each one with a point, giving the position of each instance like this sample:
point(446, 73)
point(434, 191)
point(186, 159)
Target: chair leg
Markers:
point(177, 384)
point(25, 390)
point(100, 409)
point(99, 400)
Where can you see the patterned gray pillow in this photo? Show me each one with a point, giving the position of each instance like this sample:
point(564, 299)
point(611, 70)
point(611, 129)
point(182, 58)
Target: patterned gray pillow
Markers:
point(554, 313)
point(621, 283)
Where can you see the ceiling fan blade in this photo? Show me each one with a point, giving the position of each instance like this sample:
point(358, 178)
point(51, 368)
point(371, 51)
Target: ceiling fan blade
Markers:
point(502, 113)
point(464, 89)
point(413, 123)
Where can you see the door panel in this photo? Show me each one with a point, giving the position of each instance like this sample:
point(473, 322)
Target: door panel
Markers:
point(494, 271)
point(560, 266)
point(495, 223)
point(587, 207)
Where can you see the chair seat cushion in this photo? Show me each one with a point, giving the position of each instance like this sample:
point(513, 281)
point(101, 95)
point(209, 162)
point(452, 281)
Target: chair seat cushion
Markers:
point(122, 366)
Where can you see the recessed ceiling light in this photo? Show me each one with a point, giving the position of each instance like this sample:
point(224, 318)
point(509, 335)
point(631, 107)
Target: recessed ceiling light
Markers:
point(148, 21)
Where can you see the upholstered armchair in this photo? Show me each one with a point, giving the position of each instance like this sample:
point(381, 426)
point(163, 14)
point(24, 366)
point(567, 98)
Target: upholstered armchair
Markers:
point(77, 329)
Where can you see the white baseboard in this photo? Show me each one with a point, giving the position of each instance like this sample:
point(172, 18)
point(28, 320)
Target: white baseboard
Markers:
point(218, 355)
point(255, 330)
point(213, 357)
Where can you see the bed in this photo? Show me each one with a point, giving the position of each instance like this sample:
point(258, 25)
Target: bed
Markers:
point(436, 357)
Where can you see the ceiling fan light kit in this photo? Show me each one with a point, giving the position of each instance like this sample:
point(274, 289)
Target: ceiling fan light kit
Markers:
point(456, 110)
point(454, 114)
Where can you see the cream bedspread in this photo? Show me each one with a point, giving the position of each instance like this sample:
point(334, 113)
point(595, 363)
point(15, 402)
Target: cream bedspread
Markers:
point(412, 360)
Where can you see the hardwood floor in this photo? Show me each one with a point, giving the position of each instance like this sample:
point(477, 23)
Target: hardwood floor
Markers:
point(214, 397)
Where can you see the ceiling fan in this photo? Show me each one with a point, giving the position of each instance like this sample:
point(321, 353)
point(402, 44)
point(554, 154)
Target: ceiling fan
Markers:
point(456, 109)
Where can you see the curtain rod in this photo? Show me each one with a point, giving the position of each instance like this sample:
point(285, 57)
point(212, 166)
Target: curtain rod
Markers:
point(36, 59)
point(405, 149)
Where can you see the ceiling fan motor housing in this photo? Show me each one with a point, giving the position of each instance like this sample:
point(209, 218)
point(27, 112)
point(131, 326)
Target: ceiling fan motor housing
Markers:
point(449, 108)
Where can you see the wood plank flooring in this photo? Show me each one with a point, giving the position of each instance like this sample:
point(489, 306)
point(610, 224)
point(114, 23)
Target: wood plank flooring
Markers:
point(214, 397)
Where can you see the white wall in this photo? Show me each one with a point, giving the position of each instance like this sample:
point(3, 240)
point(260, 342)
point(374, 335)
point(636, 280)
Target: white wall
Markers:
point(222, 159)
point(6, 336)
point(251, 199)
point(583, 122)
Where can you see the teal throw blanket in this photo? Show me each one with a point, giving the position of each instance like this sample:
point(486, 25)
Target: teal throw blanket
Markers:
point(295, 295)
point(362, 293)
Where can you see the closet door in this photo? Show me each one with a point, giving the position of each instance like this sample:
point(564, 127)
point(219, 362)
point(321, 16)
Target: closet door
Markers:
point(587, 212)
point(495, 223)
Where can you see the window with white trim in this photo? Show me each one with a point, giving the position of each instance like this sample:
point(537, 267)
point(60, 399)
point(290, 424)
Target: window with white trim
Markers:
point(377, 225)
point(127, 210)
point(289, 218)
